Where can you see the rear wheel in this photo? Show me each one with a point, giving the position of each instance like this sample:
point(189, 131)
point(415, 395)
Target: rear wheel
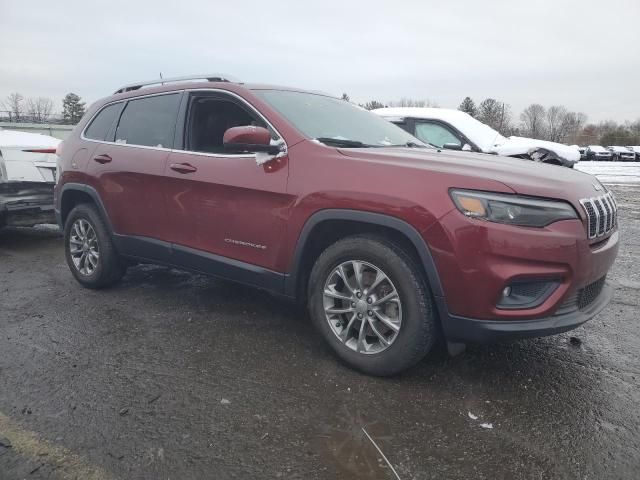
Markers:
point(372, 305)
point(90, 254)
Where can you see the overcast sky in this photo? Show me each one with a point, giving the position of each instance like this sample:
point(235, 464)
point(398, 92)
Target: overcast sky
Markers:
point(581, 54)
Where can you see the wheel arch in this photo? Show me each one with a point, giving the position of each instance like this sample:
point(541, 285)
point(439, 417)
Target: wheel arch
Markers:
point(328, 226)
point(73, 194)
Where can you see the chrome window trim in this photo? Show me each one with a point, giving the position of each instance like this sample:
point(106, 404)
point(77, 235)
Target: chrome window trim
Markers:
point(189, 152)
point(125, 100)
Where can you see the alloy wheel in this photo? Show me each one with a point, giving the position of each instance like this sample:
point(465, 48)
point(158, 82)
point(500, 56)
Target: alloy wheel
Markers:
point(362, 307)
point(83, 247)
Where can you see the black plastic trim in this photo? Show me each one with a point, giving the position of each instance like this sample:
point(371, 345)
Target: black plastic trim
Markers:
point(365, 217)
point(80, 187)
point(543, 295)
point(165, 253)
point(469, 330)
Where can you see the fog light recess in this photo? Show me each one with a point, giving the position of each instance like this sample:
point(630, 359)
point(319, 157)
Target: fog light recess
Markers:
point(523, 294)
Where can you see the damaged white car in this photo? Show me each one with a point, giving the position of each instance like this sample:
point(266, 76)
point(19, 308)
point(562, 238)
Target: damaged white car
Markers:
point(27, 177)
point(456, 130)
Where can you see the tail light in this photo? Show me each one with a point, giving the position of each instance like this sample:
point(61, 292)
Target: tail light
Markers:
point(41, 150)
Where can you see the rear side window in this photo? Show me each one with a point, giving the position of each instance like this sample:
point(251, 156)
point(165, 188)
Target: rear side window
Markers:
point(102, 123)
point(149, 121)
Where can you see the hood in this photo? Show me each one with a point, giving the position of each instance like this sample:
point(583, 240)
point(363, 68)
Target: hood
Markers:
point(521, 145)
point(524, 177)
point(598, 149)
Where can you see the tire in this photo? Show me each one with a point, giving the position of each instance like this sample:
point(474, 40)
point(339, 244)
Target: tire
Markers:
point(109, 268)
point(414, 306)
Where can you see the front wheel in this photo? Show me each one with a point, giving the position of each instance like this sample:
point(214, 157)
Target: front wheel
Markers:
point(90, 254)
point(370, 301)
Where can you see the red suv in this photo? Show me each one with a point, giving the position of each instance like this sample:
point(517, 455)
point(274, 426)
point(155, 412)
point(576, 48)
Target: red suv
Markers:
point(391, 243)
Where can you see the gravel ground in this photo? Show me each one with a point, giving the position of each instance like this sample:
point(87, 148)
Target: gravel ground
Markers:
point(178, 376)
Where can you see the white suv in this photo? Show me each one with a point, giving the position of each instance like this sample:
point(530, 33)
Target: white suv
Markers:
point(456, 130)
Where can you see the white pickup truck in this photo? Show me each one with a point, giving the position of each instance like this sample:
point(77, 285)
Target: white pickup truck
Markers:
point(27, 177)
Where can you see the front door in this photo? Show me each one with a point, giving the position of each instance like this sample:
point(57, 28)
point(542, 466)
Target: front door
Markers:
point(219, 203)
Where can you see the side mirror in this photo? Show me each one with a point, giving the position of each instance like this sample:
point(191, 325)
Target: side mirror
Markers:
point(249, 138)
point(466, 147)
point(452, 146)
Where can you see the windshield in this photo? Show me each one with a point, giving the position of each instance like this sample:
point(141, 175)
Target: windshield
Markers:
point(336, 122)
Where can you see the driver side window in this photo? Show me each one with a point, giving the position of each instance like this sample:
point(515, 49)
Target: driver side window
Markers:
point(436, 134)
point(210, 116)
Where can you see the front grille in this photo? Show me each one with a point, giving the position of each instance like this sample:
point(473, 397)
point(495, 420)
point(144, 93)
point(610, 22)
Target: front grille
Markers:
point(602, 214)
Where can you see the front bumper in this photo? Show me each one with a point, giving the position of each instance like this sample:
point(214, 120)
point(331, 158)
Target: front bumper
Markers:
point(476, 260)
point(24, 204)
point(469, 330)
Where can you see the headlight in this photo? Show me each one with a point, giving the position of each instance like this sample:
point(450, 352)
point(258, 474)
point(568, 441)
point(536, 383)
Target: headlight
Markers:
point(511, 209)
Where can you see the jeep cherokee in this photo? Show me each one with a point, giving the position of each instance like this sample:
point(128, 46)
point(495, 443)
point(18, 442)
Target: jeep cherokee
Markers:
point(392, 244)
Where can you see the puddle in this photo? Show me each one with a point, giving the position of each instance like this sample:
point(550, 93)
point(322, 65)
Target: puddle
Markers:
point(346, 447)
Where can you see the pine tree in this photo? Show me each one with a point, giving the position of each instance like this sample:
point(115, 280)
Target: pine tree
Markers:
point(72, 108)
point(468, 106)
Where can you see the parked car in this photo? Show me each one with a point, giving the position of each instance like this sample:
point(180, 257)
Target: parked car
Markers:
point(27, 177)
point(635, 149)
point(389, 242)
point(456, 130)
point(622, 154)
point(583, 153)
point(596, 152)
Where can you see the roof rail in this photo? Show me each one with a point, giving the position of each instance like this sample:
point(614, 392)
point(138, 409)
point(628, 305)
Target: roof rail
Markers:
point(212, 77)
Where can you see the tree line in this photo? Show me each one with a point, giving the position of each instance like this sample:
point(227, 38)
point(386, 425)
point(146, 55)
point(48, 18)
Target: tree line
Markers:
point(16, 108)
point(555, 123)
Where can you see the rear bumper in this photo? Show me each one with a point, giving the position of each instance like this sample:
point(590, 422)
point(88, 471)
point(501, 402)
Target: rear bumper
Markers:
point(469, 330)
point(25, 204)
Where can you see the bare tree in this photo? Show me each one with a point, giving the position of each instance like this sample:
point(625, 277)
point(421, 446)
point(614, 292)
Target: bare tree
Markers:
point(39, 109)
point(411, 102)
point(555, 120)
point(534, 121)
point(14, 105)
point(373, 104)
point(571, 126)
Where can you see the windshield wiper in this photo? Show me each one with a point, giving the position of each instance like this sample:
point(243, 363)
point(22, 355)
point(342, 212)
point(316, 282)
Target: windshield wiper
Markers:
point(410, 145)
point(415, 145)
point(343, 142)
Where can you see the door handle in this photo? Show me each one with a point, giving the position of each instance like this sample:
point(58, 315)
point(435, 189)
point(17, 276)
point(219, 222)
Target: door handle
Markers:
point(183, 167)
point(104, 158)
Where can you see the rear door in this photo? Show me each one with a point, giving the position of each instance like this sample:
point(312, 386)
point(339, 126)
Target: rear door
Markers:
point(128, 167)
point(219, 202)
